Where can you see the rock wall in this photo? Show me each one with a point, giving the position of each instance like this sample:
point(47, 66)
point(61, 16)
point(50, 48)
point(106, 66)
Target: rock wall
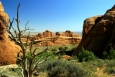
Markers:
point(8, 50)
point(98, 33)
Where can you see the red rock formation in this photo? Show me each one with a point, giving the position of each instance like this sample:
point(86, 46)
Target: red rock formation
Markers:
point(88, 24)
point(58, 34)
point(8, 50)
point(58, 38)
point(47, 33)
point(101, 35)
point(40, 35)
point(67, 33)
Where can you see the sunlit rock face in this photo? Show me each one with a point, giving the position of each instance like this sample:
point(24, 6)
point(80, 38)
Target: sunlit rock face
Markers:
point(58, 38)
point(98, 33)
point(8, 50)
point(47, 33)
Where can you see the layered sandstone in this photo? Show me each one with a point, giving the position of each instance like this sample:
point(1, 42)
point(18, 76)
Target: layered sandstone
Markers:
point(47, 33)
point(8, 50)
point(67, 33)
point(51, 39)
point(98, 33)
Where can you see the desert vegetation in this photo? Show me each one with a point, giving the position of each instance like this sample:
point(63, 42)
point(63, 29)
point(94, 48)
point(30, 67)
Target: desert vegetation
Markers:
point(59, 65)
point(55, 61)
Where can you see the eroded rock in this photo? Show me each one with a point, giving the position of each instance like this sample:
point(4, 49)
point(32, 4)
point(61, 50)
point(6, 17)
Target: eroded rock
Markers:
point(98, 33)
point(8, 50)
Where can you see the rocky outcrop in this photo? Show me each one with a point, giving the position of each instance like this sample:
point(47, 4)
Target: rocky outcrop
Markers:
point(50, 39)
point(89, 23)
point(67, 37)
point(8, 50)
point(98, 33)
point(47, 33)
point(58, 33)
point(67, 33)
point(40, 35)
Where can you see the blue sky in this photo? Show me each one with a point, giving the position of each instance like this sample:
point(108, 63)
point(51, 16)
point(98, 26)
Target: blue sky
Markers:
point(56, 15)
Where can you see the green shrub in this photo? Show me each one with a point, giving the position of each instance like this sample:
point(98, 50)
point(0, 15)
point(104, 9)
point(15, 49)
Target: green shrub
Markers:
point(66, 48)
point(110, 66)
point(54, 49)
point(110, 63)
point(63, 48)
point(63, 68)
point(40, 57)
point(85, 55)
point(110, 54)
point(109, 70)
point(73, 58)
point(105, 55)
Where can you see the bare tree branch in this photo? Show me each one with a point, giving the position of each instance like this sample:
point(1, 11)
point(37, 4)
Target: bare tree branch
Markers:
point(38, 63)
point(27, 66)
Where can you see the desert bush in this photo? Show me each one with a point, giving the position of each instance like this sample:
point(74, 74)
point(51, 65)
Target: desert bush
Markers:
point(85, 55)
point(10, 72)
point(37, 58)
point(110, 54)
point(110, 66)
point(63, 48)
point(48, 54)
point(66, 48)
point(110, 70)
point(73, 58)
point(54, 49)
point(63, 68)
point(92, 66)
point(105, 55)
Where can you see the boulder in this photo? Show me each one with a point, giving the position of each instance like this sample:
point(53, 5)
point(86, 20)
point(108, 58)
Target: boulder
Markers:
point(98, 33)
point(8, 50)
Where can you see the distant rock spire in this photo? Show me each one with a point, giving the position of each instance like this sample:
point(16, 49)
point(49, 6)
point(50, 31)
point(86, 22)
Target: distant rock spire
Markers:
point(1, 7)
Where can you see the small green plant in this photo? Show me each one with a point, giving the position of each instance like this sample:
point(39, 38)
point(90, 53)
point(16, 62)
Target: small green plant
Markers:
point(105, 55)
point(63, 48)
point(110, 54)
point(66, 48)
point(73, 58)
point(110, 66)
point(85, 55)
point(54, 49)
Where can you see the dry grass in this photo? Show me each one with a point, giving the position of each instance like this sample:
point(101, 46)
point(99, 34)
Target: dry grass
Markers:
point(100, 73)
point(42, 75)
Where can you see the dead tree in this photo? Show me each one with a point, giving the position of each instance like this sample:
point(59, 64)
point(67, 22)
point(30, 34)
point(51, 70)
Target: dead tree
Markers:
point(16, 35)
